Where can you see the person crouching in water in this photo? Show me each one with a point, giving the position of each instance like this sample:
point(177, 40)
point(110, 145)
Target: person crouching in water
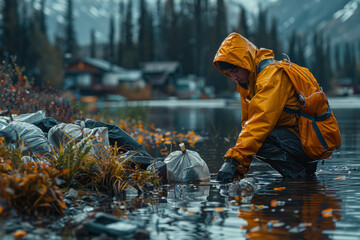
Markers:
point(268, 133)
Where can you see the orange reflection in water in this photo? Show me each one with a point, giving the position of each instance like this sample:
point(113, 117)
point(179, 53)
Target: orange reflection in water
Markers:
point(291, 215)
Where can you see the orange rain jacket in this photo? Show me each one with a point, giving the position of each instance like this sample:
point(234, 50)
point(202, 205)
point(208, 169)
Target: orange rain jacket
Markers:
point(262, 100)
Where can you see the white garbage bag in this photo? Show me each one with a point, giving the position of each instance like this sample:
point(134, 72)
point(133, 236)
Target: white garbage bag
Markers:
point(186, 166)
point(98, 138)
point(33, 137)
point(61, 134)
point(26, 117)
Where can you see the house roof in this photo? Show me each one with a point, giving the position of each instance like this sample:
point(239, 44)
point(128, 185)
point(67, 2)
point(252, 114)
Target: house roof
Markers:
point(99, 63)
point(129, 75)
point(160, 67)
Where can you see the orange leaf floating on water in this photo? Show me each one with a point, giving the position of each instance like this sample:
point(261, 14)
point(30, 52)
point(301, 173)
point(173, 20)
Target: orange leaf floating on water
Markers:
point(239, 198)
point(191, 213)
point(274, 203)
point(327, 212)
point(19, 234)
point(219, 209)
point(279, 188)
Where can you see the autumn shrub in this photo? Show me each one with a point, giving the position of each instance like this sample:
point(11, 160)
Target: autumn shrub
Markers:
point(114, 173)
point(76, 158)
point(19, 94)
point(32, 189)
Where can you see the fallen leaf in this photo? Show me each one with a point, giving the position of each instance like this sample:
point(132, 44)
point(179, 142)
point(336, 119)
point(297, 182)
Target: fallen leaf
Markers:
point(274, 203)
point(219, 209)
point(19, 234)
point(327, 212)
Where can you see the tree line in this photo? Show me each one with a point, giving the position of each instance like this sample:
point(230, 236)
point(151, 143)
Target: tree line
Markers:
point(188, 31)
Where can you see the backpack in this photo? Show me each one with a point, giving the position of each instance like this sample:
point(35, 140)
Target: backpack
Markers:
point(319, 131)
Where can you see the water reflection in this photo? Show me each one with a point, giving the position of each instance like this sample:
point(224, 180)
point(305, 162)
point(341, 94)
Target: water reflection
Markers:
point(300, 214)
point(325, 208)
point(300, 210)
point(199, 119)
point(180, 195)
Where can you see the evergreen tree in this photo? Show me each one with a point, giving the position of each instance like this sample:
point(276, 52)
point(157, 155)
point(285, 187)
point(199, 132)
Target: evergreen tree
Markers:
point(242, 27)
point(273, 38)
point(142, 31)
point(188, 42)
point(358, 65)
point(71, 46)
point(292, 47)
point(122, 34)
point(130, 54)
point(111, 47)
point(171, 30)
point(337, 59)
point(198, 37)
point(206, 50)
point(261, 35)
point(349, 68)
point(129, 26)
point(49, 61)
point(92, 44)
point(159, 53)
point(145, 42)
point(221, 22)
point(25, 25)
point(320, 62)
point(328, 71)
point(42, 20)
point(301, 51)
point(10, 26)
point(220, 31)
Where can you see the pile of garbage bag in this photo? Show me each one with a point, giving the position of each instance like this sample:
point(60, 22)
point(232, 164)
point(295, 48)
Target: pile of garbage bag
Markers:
point(38, 135)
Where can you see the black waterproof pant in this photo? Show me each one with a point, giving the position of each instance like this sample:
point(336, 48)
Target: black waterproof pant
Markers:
point(282, 150)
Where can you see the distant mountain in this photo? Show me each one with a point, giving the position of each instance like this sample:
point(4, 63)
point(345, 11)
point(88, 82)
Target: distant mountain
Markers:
point(340, 18)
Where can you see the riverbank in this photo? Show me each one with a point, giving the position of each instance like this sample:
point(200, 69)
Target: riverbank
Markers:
point(352, 102)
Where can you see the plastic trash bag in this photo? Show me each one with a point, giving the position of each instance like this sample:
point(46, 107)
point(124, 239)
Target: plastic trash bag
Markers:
point(137, 159)
point(98, 138)
point(28, 159)
point(3, 124)
point(63, 133)
point(182, 195)
point(244, 187)
point(27, 117)
point(116, 134)
point(46, 124)
point(34, 139)
point(186, 166)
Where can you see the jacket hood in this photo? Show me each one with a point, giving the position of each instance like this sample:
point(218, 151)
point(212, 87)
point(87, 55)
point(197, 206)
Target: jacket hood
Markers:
point(239, 51)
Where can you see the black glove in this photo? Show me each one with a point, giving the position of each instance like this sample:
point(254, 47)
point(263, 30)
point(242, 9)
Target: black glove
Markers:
point(227, 170)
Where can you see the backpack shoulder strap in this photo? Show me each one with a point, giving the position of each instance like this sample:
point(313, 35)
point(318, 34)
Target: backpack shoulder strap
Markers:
point(264, 63)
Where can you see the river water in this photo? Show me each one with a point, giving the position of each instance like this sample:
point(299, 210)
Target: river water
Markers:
point(327, 207)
